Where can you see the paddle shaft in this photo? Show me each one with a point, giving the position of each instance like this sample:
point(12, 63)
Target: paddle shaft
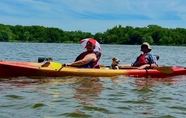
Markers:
point(163, 69)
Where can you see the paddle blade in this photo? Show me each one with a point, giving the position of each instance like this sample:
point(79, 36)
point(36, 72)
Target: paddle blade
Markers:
point(164, 69)
point(56, 65)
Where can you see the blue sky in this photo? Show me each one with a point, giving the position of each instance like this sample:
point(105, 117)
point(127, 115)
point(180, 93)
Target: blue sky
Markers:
point(93, 15)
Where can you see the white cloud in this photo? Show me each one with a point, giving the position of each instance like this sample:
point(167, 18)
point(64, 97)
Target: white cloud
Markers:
point(93, 16)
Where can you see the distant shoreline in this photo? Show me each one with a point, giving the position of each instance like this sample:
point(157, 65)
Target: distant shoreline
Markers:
point(153, 34)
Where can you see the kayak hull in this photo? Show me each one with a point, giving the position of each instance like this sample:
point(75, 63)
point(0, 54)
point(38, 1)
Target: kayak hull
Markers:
point(54, 69)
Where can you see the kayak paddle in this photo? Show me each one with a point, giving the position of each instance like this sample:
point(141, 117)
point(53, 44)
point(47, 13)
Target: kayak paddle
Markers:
point(163, 69)
point(59, 66)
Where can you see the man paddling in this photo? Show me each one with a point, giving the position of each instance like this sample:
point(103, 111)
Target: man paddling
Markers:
point(145, 60)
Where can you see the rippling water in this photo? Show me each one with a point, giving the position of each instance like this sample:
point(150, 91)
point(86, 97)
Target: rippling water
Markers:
point(116, 97)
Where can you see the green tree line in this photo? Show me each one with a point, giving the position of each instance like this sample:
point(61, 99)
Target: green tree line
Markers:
point(153, 34)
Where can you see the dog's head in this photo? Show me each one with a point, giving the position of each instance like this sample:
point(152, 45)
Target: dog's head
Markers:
point(116, 60)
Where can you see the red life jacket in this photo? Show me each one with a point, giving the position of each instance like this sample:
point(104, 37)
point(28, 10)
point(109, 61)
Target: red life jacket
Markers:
point(142, 60)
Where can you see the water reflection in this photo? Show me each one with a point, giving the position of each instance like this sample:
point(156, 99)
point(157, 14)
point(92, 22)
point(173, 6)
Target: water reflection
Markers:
point(86, 89)
point(119, 79)
point(90, 85)
point(141, 83)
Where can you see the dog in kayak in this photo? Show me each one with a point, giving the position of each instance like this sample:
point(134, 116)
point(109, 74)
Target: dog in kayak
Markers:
point(115, 62)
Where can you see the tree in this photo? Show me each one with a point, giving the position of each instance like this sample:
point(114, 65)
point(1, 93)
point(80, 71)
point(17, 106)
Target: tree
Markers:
point(6, 35)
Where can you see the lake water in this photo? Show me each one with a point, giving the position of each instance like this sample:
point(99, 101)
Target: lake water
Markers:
point(119, 97)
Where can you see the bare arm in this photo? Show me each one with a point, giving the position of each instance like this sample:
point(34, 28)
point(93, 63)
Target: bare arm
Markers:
point(147, 66)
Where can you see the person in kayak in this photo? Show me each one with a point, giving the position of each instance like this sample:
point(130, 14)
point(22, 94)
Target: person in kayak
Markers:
point(88, 59)
point(145, 60)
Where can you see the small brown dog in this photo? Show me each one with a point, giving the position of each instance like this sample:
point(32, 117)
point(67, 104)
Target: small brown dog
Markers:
point(115, 62)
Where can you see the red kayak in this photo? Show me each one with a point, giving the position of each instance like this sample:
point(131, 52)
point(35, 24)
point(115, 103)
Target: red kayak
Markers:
point(55, 69)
